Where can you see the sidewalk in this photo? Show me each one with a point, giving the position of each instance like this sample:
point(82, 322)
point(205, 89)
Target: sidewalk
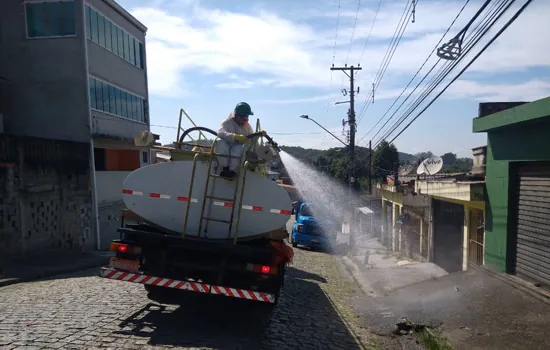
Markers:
point(383, 271)
point(474, 309)
point(47, 265)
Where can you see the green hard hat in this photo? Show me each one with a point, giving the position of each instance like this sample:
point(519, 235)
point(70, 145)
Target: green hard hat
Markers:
point(243, 108)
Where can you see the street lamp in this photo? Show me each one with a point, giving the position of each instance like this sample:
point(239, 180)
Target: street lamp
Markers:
point(313, 120)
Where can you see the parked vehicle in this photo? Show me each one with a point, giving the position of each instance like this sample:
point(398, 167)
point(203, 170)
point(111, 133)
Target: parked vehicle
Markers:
point(312, 231)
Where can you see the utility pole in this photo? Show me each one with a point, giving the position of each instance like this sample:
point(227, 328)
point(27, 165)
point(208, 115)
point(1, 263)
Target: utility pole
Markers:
point(370, 168)
point(351, 121)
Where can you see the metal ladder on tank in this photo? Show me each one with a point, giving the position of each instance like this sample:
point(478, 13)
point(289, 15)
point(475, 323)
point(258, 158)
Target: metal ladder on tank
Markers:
point(236, 180)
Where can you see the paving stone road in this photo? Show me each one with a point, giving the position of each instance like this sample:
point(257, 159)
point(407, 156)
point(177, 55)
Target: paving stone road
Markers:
point(83, 311)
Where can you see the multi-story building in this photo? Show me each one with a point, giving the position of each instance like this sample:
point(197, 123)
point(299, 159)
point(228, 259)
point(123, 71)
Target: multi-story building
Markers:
point(77, 72)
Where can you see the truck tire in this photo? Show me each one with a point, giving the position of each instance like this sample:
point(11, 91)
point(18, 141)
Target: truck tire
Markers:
point(280, 285)
point(294, 244)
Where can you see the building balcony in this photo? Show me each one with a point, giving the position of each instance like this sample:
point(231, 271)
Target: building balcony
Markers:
point(458, 190)
point(389, 188)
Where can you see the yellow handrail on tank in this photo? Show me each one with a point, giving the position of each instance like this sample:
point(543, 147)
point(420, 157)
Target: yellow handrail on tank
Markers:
point(182, 111)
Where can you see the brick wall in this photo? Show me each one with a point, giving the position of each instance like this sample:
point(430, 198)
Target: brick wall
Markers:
point(45, 197)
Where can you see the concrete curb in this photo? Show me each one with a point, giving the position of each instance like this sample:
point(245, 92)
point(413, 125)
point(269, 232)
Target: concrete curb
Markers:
point(368, 288)
point(520, 284)
point(96, 261)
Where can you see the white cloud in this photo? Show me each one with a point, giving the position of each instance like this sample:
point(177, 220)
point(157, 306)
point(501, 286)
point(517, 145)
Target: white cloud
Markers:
point(528, 91)
point(268, 49)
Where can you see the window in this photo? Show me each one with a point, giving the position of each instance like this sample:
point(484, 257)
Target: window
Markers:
point(106, 102)
point(92, 93)
point(110, 99)
point(141, 111)
point(132, 51)
point(120, 39)
point(137, 54)
point(126, 46)
point(142, 63)
point(133, 109)
point(114, 40)
point(108, 45)
point(93, 26)
point(99, 94)
point(100, 159)
point(145, 157)
point(118, 94)
point(101, 29)
point(50, 19)
point(88, 23)
point(108, 35)
point(124, 99)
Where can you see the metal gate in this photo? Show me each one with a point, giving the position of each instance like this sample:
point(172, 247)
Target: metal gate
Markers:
point(533, 222)
point(448, 235)
point(477, 237)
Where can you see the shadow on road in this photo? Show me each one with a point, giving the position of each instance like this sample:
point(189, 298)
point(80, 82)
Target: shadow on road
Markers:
point(305, 315)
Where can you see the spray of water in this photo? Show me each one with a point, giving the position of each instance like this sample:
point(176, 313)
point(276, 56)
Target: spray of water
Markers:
point(330, 199)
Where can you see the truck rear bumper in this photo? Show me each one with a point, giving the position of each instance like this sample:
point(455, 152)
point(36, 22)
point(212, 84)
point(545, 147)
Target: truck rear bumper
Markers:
point(191, 286)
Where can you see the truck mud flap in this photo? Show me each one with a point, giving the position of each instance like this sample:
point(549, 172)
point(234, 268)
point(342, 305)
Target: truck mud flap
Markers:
point(191, 286)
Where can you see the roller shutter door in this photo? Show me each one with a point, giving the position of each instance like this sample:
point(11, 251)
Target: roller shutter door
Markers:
point(533, 223)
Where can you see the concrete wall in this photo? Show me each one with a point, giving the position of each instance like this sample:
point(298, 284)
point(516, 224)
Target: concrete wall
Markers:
point(105, 124)
point(109, 222)
point(49, 79)
point(530, 143)
point(109, 186)
point(45, 198)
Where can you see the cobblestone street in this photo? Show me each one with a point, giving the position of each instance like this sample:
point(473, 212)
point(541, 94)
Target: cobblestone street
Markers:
point(83, 311)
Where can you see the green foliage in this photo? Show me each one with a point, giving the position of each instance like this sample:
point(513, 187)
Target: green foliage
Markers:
point(448, 158)
point(460, 165)
point(424, 155)
point(334, 162)
point(384, 158)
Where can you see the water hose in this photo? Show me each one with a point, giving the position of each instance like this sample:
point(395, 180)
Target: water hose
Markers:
point(202, 128)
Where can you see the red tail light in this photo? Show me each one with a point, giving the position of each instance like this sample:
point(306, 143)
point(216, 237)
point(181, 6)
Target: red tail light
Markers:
point(124, 248)
point(265, 269)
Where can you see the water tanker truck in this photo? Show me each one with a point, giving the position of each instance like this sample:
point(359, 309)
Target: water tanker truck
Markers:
point(187, 228)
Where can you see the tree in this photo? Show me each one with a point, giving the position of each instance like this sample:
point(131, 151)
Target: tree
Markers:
point(384, 157)
point(424, 155)
point(448, 159)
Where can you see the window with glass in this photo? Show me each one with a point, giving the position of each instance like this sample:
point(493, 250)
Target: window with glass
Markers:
point(50, 19)
point(107, 98)
point(108, 35)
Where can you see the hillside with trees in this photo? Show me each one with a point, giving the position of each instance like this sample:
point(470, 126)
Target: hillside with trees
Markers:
point(334, 161)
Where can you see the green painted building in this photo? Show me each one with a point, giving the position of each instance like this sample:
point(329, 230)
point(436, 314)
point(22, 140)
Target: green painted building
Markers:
point(517, 223)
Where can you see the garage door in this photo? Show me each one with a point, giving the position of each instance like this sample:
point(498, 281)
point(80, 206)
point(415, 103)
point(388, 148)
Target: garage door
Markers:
point(533, 223)
point(448, 235)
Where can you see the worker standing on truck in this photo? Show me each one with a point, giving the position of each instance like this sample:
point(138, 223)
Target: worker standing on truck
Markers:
point(232, 135)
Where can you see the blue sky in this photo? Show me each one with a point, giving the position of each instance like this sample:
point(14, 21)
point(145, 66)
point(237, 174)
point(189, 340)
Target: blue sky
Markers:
point(206, 56)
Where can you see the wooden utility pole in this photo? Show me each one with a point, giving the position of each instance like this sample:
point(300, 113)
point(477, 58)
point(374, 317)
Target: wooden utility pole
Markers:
point(351, 121)
point(370, 168)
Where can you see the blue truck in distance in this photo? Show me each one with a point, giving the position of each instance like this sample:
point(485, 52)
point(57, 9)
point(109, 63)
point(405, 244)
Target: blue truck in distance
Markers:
point(311, 231)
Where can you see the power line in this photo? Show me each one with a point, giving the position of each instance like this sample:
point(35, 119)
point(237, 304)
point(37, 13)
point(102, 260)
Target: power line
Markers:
point(399, 29)
point(485, 29)
point(448, 67)
point(353, 31)
point(370, 31)
point(334, 53)
point(415, 75)
point(512, 20)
